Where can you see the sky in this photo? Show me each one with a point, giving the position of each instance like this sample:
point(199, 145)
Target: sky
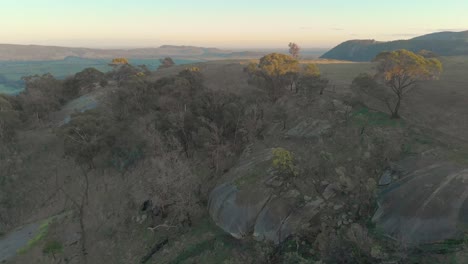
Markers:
point(236, 24)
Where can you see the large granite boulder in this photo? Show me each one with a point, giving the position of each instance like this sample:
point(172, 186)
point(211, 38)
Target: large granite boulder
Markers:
point(249, 202)
point(235, 211)
point(426, 205)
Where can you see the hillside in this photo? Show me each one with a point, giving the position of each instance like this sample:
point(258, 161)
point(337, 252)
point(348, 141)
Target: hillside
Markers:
point(178, 166)
point(441, 43)
point(11, 52)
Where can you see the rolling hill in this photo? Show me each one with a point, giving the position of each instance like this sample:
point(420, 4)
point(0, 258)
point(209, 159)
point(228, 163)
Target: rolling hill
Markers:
point(12, 52)
point(441, 43)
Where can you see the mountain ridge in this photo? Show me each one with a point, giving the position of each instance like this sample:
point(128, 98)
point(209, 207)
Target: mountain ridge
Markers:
point(444, 43)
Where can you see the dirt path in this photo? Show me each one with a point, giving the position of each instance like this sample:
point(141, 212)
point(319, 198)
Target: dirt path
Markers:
point(14, 241)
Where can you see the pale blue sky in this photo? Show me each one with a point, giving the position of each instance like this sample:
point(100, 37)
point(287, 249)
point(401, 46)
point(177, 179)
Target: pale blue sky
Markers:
point(225, 24)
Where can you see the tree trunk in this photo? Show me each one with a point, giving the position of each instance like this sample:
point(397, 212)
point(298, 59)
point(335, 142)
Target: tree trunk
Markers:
point(396, 109)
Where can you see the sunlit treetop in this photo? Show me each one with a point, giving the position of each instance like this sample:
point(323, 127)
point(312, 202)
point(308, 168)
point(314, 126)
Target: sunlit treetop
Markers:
point(119, 61)
point(276, 64)
point(311, 69)
point(402, 68)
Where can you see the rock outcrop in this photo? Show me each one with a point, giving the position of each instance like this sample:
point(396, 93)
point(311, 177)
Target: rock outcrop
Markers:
point(251, 204)
point(426, 205)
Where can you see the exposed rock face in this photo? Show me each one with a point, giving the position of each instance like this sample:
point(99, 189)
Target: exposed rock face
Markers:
point(427, 205)
point(234, 215)
point(418, 202)
point(248, 204)
point(236, 204)
point(271, 223)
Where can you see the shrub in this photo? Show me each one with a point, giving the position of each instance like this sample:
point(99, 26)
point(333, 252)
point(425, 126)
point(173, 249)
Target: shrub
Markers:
point(9, 119)
point(42, 95)
point(87, 135)
point(283, 160)
point(52, 248)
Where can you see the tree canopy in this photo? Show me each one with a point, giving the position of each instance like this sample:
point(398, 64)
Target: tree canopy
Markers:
point(275, 71)
point(311, 69)
point(294, 49)
point(119, 61)
point(399, 70)
point(166, 63)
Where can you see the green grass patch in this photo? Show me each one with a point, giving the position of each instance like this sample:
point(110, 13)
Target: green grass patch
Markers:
point(41, 234)
point(206, 226)
point(366, 117)
point(215, 250)
point(444, 247)
point(52, 248)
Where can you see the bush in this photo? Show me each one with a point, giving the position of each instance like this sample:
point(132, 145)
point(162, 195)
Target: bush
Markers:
point(52, 248)
point(311, 85)
point(124, 158)
point(274, 73)
point(9, 118)
point(83, 82)
point(283, 160)
point(87, 135)
point(42, 95)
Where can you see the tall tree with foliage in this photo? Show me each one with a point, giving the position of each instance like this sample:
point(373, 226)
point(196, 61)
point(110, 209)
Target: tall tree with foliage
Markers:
point(400, 70)
point(273, 73)
point(294, 50)
point(42, 95)
point(310, 81)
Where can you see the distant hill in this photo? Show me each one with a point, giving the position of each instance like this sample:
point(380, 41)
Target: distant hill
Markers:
point(441, 43)
point(11, 52)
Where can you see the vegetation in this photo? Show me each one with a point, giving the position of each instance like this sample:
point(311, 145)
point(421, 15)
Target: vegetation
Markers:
point(53, 248)
point(150, 153)
point(9, 118)
point(87, 135)
point(310, 82)
point(283, 160)
point(274, 73)
point(294, 50)
point(41, 234)
point(42, 95)
point(11, 72)
point(119, 61)
point(427, 54)
point(83, 82)
point(166, 63)
point(400, 70)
